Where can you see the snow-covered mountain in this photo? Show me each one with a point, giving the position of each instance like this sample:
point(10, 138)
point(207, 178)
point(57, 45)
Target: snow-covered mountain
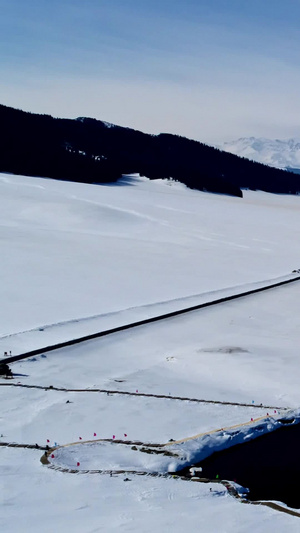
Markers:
point(276, 153)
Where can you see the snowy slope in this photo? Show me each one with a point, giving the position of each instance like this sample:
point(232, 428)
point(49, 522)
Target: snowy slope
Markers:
point(108, 254)
point(72, 250)
point(273, 152)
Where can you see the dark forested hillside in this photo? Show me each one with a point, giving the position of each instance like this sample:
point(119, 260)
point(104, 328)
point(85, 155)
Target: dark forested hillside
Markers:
point(88, 150)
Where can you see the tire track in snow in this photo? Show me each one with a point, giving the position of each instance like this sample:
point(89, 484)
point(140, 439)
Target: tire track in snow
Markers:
point(49, 449)
point(21, 445)
point(109, 392)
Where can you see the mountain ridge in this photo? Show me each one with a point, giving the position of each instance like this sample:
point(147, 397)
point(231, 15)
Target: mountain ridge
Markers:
point(279, 153)
point(89, 150)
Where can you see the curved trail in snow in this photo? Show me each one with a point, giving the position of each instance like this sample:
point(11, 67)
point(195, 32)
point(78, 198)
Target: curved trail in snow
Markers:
point(230, 487)
point(146, 321)
point(147, 447)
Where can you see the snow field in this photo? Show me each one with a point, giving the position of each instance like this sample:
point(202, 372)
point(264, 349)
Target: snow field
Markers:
point(40, 415)
point(43, 499)
point(240, 351)
point(73, 251)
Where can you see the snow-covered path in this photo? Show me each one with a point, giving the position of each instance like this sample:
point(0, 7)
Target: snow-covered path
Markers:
point(166, 311)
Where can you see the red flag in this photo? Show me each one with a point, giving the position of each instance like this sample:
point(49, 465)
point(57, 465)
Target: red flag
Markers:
point(125, 434)
point(48, 440)
point(114, 436)
point(78, 464)
point(52, 456)
point(95, 434)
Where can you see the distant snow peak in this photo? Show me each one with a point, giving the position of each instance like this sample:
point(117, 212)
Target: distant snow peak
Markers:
point(274, 152)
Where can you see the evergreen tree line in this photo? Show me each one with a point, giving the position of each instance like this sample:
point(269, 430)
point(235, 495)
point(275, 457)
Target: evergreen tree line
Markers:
point(86, 150)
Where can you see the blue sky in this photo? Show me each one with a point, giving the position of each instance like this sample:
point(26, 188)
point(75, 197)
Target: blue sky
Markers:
point(212, 70)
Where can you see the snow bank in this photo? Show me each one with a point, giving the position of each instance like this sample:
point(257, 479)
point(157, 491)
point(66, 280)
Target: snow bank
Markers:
point(195, 450)
point(112, 456)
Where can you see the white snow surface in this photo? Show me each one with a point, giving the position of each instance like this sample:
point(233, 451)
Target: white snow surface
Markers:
point(80, 258)
point(274, 152)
